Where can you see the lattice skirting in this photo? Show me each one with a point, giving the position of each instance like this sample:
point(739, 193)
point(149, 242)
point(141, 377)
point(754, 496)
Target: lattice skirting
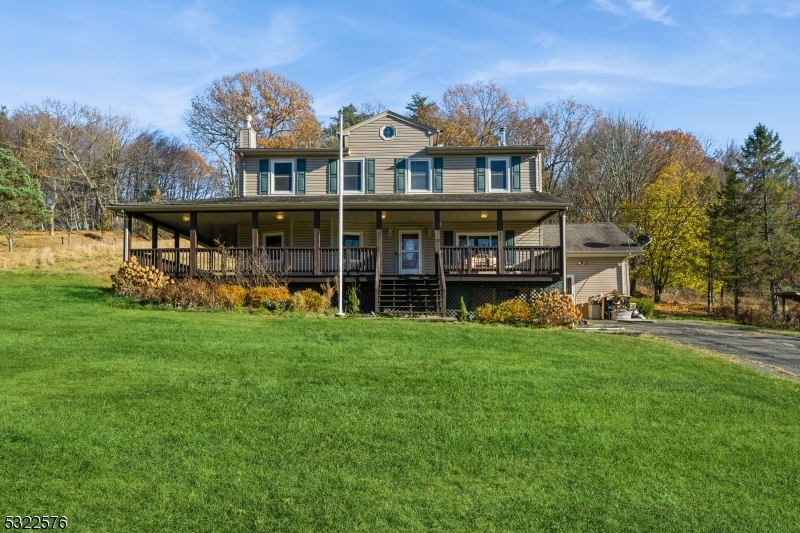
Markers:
point(477, 294)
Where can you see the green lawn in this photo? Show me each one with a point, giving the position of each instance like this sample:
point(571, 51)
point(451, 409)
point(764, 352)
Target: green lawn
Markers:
point(131, 419)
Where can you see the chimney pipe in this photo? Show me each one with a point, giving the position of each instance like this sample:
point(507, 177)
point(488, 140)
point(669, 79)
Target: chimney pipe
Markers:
point(503, 136)
point(248, 121)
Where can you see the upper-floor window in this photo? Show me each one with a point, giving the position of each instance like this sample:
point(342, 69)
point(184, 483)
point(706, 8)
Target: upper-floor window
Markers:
point(419, 175)
point(282, 177)
point(498, 174)
point(354, 176)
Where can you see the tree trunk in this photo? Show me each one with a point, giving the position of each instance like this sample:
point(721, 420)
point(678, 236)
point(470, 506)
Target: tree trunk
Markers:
point(657, 293)
point(10, 243)
point(773, 297)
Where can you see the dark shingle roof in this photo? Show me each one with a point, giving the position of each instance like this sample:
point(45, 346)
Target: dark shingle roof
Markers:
point(595, 237)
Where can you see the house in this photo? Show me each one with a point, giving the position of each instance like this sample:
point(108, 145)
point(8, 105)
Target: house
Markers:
point(424, 224)
point(597, 258)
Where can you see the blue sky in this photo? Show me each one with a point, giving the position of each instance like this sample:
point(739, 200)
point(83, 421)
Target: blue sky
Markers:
point(715, 68)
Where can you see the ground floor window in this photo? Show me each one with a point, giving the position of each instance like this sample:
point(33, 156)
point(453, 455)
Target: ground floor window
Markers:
point(477, 240)
point(274, 240)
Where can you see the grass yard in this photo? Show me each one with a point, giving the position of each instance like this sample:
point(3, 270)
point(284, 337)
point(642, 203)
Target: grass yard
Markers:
point(125, 418)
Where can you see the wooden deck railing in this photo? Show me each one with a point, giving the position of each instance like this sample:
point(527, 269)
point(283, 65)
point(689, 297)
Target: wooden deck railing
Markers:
point(480, 259)
point(175, 262)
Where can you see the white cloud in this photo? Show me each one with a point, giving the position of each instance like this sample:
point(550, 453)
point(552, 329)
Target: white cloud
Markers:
point(647, 9)
point(779, 8)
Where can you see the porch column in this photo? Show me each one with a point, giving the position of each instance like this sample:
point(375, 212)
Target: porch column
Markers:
point(317, 253)
point(437, 231)
point(501, 242)
point(193, 244)
point(127, 230)
point(254, 233)
point(378, 259)
point(154, 236)
point(562, 226)
point(177, 237)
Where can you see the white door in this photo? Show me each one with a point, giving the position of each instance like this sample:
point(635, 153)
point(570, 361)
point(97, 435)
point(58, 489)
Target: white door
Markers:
point(410, 253)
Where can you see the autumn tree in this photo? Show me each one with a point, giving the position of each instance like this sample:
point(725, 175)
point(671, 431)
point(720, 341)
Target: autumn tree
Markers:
point(282, 113)
point(473, 114)
point(21, 200)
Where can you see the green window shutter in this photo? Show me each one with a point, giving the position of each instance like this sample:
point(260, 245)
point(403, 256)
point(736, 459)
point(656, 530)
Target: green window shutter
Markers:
point(480, 174)
point(400, 175)
point(510, 242)
point(438, 172)
point(263, 176)
point(370, 172)
point(301, 176)
point(448, 238)
point(333, 170)
point(516, 175)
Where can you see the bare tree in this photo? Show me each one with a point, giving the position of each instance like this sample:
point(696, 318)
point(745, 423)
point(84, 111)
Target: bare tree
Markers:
point(566, 122)
point(617, 158)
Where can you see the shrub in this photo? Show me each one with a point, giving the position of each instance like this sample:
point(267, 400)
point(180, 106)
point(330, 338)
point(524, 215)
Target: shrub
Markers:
point(553, 308)
point(487, 314)
point(353, 303)
point(645, 306)
point(272, 298)
point(188, 294)
point(462, 315)
point(515, 313)
point(231, 296)
point(309, 300)
point(723, 311)
point(136, 281)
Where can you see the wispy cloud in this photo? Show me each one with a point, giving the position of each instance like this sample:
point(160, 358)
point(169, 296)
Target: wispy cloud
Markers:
point(779, 8)
point(647, 9)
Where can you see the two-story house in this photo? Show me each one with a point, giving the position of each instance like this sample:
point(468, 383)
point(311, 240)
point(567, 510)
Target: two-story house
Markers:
point(424, 224)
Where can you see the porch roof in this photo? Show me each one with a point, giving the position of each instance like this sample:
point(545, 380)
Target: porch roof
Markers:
point(526, 201)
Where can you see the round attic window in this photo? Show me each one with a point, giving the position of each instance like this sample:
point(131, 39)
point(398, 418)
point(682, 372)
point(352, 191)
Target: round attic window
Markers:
point(388, 132)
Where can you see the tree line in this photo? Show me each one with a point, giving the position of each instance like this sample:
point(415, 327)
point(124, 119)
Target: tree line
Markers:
point(719, 217)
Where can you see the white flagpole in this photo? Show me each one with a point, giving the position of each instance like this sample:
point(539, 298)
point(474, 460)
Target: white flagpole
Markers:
point(340, 185)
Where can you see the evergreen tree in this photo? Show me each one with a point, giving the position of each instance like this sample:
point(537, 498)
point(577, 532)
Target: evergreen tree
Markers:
point(21, 199)
point(767, 176)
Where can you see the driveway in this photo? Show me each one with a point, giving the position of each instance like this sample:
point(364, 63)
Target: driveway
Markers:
point(776, 352)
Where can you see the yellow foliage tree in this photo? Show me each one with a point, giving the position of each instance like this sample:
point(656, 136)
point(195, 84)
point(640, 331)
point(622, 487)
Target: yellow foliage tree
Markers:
point(672, 213)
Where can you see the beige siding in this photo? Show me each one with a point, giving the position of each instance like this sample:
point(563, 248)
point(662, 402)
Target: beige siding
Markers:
point(316, 176)
point(598, 276)
point(366, 142)
point(459, 174)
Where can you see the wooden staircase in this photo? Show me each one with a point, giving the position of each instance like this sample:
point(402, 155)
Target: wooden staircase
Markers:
point(411, 295)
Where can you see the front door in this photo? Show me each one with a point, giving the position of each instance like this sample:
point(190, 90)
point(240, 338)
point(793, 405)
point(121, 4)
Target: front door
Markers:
point(410, 259)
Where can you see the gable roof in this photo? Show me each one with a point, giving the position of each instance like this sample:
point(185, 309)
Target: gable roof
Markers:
point(601, 238)
point(395, 116)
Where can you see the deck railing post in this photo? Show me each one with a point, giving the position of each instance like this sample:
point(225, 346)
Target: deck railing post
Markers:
point(193, 244)
point(177, 239)
point(469, 259)
point(253, 241)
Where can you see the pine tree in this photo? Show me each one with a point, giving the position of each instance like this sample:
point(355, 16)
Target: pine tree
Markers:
point(766, 173)
point(21, 199)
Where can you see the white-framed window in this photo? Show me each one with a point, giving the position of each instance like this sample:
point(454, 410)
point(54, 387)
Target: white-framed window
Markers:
point(272, 240)
point(282, 176)
point(353, 182)
point(419, 175)
point(498, 174)
point(477, 239)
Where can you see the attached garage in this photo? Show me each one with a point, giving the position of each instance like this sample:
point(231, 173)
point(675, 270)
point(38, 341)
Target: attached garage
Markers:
point(597, 258)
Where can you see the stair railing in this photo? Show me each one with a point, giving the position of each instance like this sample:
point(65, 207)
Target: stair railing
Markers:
point(442, 285)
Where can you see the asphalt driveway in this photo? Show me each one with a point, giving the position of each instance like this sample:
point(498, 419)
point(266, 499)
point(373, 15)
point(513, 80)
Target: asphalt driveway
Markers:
point(763, 349)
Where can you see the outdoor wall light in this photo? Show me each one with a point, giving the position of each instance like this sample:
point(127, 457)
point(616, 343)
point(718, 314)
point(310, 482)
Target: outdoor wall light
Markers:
point(390, 232)
point(383, 215)
point(484, 214)
point(186, 217)
point(279, 215)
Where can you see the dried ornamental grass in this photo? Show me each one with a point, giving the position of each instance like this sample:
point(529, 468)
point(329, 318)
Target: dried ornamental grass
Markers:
point(136, 281)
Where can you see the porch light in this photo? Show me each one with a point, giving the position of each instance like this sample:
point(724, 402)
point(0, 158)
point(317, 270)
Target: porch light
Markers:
point(279, 215)
point(484, 214)
point(186, 217)
point(383, 215)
